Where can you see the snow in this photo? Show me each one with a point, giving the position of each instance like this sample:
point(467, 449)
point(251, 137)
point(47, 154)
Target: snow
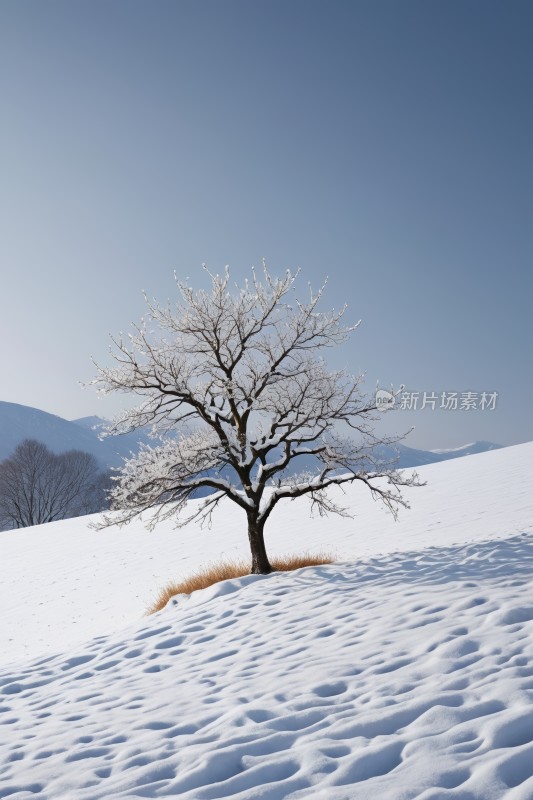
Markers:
point(465, 450)
point(402, 671)
point(454, 449)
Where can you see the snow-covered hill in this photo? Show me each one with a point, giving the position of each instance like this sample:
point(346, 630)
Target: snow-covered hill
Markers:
point(402, 671)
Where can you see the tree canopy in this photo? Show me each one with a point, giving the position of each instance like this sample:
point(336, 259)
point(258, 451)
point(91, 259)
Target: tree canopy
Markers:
point(237, 375)
point(38, 486)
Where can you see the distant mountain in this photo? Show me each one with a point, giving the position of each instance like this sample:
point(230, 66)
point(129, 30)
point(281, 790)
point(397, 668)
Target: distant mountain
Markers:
point(410, 457)
point(466, 450)
point(90, 422)
point(19, 422)
point(122, 446)
point(402, 457)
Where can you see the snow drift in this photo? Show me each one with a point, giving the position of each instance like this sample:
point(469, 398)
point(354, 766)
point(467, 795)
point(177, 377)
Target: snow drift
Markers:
point(403, 671)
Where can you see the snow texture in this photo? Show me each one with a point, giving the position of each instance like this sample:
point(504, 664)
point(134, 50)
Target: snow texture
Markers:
point(402, 671)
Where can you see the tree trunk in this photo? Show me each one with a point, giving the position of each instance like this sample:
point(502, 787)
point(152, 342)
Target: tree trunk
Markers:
point(260, 562)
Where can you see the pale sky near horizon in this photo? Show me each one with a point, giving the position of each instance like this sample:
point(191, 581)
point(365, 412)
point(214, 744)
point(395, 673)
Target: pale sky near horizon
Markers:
point(385, 144)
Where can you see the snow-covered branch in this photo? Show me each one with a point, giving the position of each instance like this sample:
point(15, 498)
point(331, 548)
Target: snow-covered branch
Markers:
point(244, 370)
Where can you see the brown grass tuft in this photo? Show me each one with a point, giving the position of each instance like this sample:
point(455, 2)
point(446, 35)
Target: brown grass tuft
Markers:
point(224, 570)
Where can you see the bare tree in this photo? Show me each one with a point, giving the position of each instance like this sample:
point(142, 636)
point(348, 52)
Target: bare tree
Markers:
point(245, 368)
point(39, 486)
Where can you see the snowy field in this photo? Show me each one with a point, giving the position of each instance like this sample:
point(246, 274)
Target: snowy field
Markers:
point(405, 670)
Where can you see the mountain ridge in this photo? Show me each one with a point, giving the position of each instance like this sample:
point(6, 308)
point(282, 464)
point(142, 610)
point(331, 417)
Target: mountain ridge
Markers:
point(19, 422)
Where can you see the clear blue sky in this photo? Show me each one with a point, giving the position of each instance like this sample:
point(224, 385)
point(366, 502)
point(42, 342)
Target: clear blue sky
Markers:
point(386, 144)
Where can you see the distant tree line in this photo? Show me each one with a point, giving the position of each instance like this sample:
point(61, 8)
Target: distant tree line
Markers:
point(37, 485)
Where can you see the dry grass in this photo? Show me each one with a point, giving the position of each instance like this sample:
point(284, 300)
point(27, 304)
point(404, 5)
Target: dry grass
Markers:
point(213, 573)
